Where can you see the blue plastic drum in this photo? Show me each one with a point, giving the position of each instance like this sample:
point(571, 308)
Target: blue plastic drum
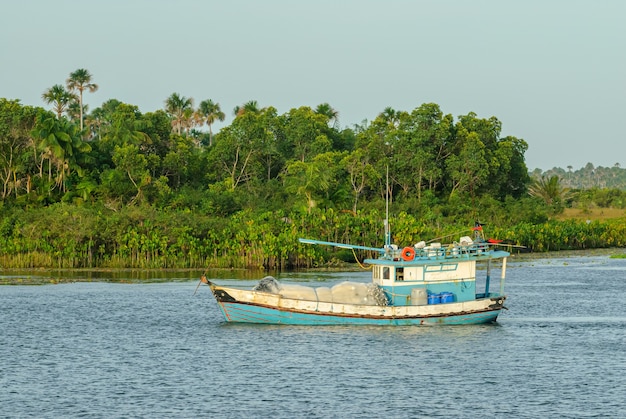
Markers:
point(446, 297)
point(434, 298)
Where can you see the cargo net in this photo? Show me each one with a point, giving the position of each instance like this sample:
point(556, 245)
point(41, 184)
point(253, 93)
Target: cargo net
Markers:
point(343, 293)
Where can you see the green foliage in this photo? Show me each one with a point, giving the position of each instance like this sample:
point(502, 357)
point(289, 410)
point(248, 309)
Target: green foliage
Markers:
point(70, 236)
point(566, 235)
point(304, 133)
point(61, 145)
point(595, 197)
point(150, 191)
point(551, 192)
point(19, 157)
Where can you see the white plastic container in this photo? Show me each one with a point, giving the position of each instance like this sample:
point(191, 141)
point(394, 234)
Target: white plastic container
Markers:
point(419, 297)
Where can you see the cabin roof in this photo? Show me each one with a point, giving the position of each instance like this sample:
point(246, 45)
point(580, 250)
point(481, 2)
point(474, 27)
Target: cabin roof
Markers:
point(438, 259)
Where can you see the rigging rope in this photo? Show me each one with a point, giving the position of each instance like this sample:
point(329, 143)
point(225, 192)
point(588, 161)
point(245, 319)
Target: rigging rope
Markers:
point(357, 261)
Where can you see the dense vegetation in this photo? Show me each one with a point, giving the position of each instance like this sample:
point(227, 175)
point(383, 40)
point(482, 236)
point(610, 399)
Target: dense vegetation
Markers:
point(116, 187)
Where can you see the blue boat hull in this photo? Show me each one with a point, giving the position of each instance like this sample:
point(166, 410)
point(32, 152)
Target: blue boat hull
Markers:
point(248, 313)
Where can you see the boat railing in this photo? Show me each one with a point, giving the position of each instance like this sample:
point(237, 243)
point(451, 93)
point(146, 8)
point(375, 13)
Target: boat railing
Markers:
point(452, 251)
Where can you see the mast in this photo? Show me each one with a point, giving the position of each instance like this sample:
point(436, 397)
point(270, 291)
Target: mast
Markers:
point(387, 231)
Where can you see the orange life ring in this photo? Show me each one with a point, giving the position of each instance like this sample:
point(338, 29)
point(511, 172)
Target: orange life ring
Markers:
point(408, 254)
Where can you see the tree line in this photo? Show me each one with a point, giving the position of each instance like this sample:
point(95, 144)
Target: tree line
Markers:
point(103, 170)
point(121, 156)
point(587, 177)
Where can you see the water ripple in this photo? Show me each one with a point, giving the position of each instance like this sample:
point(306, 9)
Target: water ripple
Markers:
point(102, 350)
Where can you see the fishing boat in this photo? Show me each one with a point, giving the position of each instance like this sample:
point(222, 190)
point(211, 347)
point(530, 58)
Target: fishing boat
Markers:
point(420, 284)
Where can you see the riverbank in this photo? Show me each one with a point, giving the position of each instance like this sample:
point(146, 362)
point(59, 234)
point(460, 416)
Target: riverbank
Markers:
point(140, 276)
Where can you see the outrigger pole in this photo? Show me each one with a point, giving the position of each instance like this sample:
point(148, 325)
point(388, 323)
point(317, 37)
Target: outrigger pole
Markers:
point(342, 245)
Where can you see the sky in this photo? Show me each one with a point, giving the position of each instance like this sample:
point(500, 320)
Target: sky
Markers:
point(552, 71)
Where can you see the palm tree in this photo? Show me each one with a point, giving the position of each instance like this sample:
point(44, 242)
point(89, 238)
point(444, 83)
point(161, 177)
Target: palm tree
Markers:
point(550, 191)
point(80, 80)
point(178, 107)
point(74, 110)
point(59, 97)
point(210, 112)
point(250, 106)
point(60, 143)
point(328, 111)
point(390, 116)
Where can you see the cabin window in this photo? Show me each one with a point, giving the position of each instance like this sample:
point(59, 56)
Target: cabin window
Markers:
point(400, 274)
point(385, 273)
point(442, 268)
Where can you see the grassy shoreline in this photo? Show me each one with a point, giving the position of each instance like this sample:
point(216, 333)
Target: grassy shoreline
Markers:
point(42, 276)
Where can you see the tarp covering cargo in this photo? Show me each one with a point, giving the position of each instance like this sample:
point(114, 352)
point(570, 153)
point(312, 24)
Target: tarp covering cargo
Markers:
point(343, 293)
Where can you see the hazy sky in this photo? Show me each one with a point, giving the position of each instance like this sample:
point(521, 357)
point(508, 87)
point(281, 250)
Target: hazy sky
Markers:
point(552, 71)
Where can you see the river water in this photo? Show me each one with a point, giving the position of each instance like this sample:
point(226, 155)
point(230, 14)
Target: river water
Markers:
point(109, 350)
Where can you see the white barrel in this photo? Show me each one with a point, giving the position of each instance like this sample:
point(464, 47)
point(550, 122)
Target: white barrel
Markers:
point(419, 297)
